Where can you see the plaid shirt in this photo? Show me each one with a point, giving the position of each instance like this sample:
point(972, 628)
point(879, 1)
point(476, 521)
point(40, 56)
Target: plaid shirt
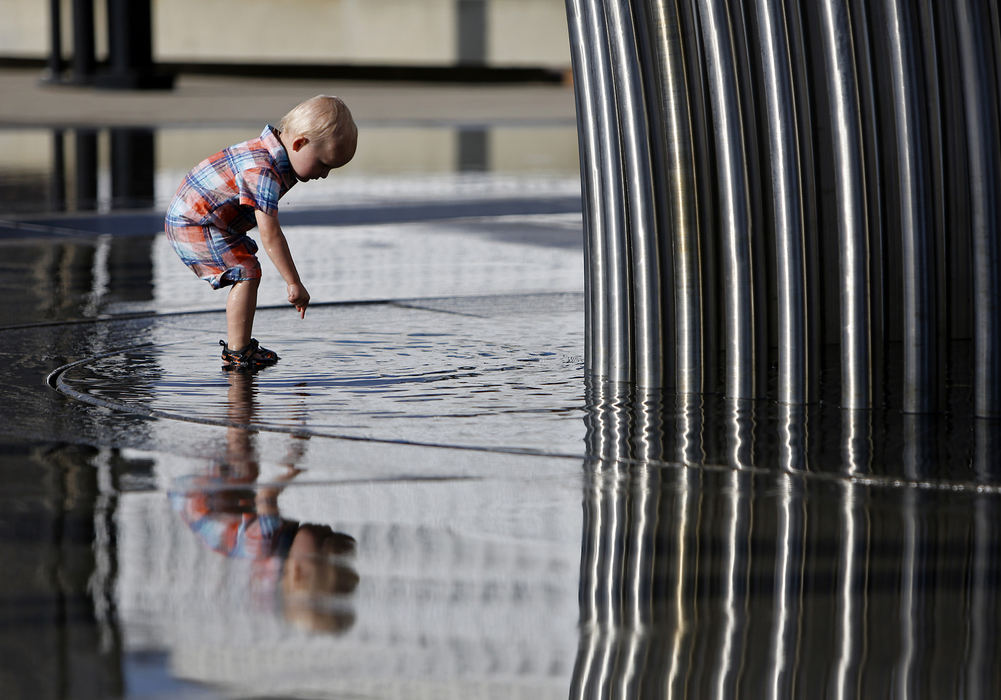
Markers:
point(208, 219)
point(224, 190)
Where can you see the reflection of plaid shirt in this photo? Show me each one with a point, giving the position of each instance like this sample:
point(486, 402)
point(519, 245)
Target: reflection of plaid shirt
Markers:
point(224, 190)
point(244, 535)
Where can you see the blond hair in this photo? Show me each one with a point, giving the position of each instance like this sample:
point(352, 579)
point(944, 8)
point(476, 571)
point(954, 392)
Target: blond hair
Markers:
point(319, 117)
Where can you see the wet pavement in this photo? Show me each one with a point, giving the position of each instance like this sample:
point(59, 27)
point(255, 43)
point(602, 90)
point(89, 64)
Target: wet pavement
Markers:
point(426, 497)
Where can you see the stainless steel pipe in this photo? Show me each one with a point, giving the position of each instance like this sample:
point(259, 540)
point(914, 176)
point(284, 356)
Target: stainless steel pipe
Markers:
point(919, 327)
point(787, 202)
point(583, 61)
point(735, 233)
point(800, 179)
point(643, 244)
point(977, 55)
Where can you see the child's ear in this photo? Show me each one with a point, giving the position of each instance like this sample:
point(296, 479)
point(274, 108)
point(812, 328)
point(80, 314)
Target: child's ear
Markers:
point(298, 142)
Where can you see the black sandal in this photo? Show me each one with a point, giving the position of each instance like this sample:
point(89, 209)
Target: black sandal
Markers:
point(251, 357)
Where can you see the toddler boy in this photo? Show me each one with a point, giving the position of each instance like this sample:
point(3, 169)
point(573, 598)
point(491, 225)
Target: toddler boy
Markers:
point(229, 193)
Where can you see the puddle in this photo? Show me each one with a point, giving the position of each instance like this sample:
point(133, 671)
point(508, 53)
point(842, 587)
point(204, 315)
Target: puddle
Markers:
point(487, 376)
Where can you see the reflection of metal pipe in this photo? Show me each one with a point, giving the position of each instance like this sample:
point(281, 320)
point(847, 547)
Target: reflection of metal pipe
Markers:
point(983, 648)
point(792, 437)
point(690, 429)
point(919, 449)
point(851, 573)
point(132, 167)
point(86, 169)
point(856, 451)
point(788, 575)
point(57, 187)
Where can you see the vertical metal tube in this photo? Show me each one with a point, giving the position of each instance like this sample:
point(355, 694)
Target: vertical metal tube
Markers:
point(705, 191)
point(787, 202)
point(955, 198)
point(919, 325)
point(55, 61)
point(585, 92)
point(802, 88)
point(84, 60)
point(931, 57)
point(856, 386)
point(618, 340)
point(973, 29)
point(680, 217)
point(747, 72)
point(874, 107)
point(643, 248)
point(734, 206)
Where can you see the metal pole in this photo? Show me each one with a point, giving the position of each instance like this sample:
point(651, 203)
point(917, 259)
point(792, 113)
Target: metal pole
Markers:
point(973, 31)
point(585, 90)
point(643, 246)
point(919, 324)
point(734, 206)
point(787, 202)
point(618, 360)
point(681, 218)
point(84, 60)
point(842, 86)
point(802, 109)
point(55, 62)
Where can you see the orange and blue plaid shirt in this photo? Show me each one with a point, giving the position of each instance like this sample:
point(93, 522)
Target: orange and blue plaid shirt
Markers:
point(225, 189)
point(209, 217)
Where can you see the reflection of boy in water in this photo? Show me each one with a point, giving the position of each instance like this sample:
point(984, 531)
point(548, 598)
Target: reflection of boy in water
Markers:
point(304, 562)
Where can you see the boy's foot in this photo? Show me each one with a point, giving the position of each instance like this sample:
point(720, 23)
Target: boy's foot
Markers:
point(251, 357)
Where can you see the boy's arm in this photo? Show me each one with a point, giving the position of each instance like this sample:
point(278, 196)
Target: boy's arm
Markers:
point(277, 249)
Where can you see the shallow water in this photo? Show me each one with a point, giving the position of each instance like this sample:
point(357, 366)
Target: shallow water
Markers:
point(473, 372)
point(485, 521)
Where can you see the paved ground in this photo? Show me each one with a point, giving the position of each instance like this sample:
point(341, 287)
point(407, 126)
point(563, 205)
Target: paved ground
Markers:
point(201, 100)
point(437, 504)
point(425, 429)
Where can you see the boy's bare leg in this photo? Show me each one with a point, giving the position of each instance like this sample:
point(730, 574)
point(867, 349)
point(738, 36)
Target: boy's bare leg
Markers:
point(240, 307)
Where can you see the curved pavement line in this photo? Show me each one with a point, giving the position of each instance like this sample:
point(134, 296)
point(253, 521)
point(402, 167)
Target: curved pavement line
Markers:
point(55, 380)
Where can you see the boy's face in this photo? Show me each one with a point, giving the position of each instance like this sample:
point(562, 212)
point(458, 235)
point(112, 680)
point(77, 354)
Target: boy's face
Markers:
point(313, 159)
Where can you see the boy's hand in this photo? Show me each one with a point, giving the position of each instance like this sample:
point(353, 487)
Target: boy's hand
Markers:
point(299, 298)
